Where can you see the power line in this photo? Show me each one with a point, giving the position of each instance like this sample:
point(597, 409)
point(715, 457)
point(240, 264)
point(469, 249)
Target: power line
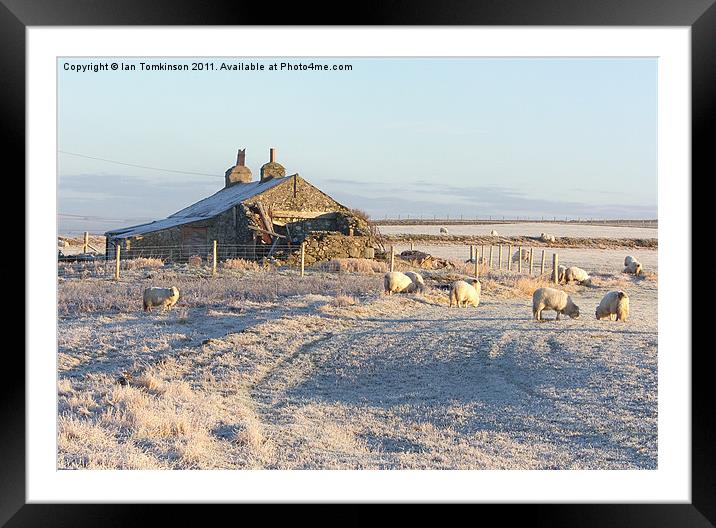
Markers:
point(139, 166)
point(94, 217)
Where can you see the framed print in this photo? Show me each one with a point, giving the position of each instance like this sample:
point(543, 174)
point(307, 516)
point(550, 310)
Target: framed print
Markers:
point(263, 230)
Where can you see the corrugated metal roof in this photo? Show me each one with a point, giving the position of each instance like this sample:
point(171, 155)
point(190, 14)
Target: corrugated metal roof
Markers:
point(209, 207)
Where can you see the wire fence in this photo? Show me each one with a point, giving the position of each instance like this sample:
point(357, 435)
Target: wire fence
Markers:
point(215, 259)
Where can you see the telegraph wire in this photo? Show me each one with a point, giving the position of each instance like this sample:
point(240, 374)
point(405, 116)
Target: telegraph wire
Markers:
point(138, 166)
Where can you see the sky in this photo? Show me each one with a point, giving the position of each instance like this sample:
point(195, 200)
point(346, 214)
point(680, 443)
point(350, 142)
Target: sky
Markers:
point(415, 137)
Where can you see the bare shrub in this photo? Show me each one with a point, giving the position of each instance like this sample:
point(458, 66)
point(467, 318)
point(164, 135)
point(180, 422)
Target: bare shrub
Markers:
point(360, 213)
point(195, 261)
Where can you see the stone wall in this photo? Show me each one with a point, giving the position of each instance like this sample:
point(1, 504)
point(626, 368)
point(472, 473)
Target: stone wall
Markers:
point(167, 243)
point(310, 198)
point(325, 246)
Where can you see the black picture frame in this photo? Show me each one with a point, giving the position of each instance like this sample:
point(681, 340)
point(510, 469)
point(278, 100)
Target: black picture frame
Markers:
point(699, 15)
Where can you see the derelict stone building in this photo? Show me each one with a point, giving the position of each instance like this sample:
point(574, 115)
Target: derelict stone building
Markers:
point(252, 219)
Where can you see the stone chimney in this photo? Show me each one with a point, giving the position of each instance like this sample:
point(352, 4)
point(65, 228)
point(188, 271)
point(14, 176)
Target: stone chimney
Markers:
point(272, 169)
point(239, 173)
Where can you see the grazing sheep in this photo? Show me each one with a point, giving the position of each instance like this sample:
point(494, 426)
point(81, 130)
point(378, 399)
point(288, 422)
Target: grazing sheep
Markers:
point(493, 233)
point(632, 265)
point(397, 282)
point(552, 299)
point(578, 275)
point(443, 231)
point(165, 297)
point(544, 237)
point(525, 255)
point(614, 303)
point(465, 294)
point(417, 279)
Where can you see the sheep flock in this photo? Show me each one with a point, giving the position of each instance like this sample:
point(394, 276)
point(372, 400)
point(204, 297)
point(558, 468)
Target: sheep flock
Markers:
point(463, 293)
point(466, 293)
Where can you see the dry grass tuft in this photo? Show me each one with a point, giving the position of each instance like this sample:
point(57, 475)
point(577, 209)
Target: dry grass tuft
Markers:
point(352, 265)
point(142, 263)
point(650, 276)
point(344, 300)
point(195, 261)
point(151, 382)
point(242, 265)
point(526, 286)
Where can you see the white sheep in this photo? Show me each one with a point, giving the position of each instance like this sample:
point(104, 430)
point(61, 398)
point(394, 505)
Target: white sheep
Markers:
point(632, 265)
point(465, 294)
point(155, 296)
point(443, 231)
point(547, 238)
point(417, 279)
point(493, 233)
point(397, 282)
point(614, 303)
point(575, 274)
point(553, 299)
point(525, 255)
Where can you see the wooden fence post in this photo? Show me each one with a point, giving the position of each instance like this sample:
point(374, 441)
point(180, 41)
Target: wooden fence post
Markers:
point(472, 252)
point(555, 272)
point(213, 261)
point(412, 246)
point(303, 257)
point(490, 256)
point(85, 243)
point(116, 269)
point(531, 252)
point(541, 271)
point(477, 266)
point(519, 260)
point(392, 258)
point(499, 258)
point(509, 257)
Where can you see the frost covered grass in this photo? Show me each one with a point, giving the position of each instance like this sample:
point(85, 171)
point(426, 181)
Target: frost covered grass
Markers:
point(84, 296)
point(257, 370)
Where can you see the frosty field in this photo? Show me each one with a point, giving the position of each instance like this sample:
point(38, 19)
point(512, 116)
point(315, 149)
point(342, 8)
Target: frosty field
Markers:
point(266, 370)
point(528, 229)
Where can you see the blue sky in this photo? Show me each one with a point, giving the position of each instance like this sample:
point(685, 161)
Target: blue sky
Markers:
point(473, 137)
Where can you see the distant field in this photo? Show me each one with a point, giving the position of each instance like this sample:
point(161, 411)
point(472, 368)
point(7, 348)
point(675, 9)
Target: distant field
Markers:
point(592, 260)
point(462, 221)
point(527, 229)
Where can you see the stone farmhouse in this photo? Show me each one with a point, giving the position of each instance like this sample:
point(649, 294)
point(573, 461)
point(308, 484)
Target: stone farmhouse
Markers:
point(252, 219)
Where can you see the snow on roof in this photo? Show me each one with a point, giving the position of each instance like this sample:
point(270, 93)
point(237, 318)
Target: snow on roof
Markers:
point(203, 209)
